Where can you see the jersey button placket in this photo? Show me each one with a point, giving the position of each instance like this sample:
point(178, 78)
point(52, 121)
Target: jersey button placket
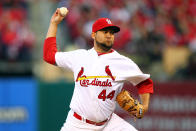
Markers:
point(95, 71)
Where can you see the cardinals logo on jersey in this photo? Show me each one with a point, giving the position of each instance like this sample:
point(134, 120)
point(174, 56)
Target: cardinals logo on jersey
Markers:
point(85, 82)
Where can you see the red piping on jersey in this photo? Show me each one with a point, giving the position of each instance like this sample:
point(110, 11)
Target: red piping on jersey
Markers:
point(100, 53)
point(145, 86)
point(107, 70)
point(80, 73)
point(50, 50)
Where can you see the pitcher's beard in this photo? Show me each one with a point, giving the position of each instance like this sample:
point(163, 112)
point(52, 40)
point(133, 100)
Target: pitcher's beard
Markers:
point(103, 46)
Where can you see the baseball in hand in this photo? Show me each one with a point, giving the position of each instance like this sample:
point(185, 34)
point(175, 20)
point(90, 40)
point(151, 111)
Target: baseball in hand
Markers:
point(63, 11)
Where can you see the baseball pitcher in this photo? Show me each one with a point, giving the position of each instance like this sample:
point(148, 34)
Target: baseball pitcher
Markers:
point(99, 75)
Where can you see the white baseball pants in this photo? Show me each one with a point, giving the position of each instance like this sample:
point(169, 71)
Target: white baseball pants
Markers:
point(114, 124)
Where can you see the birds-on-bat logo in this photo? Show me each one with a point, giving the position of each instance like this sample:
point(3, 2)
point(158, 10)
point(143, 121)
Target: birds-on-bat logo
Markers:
point(84, 80)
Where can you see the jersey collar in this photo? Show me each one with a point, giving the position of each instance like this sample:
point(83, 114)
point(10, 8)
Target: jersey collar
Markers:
point(100, 53)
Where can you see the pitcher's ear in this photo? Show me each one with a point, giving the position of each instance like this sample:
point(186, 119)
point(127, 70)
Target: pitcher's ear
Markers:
point(93, 35)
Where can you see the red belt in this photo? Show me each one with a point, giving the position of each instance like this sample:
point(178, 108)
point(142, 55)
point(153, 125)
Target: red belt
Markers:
point(89, 121)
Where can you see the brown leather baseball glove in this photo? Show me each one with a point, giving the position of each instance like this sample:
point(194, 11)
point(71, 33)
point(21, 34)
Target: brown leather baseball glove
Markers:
point(128, 103)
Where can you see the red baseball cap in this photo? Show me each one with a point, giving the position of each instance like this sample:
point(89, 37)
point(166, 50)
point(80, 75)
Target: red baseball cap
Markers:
point(103, 23)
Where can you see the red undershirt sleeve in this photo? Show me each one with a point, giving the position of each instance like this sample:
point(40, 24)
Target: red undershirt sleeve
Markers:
point(145, 86)
point(50, 50)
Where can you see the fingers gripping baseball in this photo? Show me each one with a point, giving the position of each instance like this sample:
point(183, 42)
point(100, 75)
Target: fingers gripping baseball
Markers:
point(129, 104)
point(59, 15)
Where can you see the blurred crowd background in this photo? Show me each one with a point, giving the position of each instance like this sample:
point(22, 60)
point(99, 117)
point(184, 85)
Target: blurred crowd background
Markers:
point(159, 35)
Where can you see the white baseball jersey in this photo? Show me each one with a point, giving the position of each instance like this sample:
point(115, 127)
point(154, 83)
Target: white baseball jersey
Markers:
point(98, 80)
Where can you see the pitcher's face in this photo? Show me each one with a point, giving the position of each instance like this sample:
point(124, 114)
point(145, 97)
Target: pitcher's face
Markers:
point(104, 39)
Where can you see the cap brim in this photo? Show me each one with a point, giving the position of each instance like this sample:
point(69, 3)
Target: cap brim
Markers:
point(113, 27)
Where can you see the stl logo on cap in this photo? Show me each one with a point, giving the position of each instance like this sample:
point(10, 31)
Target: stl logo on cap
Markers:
point(109, 21)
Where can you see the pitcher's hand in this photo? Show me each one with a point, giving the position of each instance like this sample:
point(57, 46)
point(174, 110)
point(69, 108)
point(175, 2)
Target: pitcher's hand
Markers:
point(57, 17)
